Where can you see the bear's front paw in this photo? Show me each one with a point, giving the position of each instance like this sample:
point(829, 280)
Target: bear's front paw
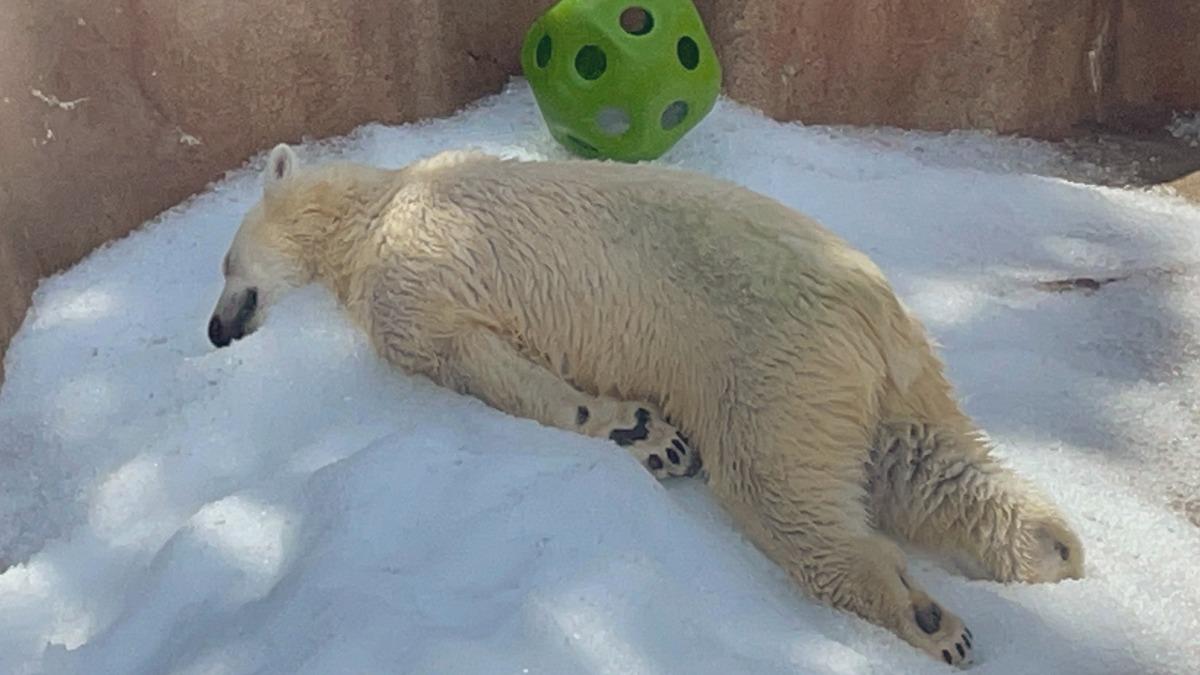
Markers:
point(658, 445)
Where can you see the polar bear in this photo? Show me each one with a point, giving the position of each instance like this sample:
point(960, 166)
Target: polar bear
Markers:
point(687, 319)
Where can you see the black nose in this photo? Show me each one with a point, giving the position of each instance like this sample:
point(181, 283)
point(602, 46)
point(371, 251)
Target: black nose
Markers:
point(216, 334)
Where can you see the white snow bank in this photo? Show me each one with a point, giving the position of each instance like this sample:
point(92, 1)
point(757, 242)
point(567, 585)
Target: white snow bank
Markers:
point(292, 505)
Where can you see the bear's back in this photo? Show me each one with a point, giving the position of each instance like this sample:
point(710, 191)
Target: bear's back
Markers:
point(613, 235)
point(700, 221)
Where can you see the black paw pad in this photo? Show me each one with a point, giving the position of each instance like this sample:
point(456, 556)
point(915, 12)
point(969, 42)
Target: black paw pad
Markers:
point(962, 653)
point(966, 639)
point(672, 455)
point(929, 618)
point(582, 414)
point(946, 656)
point(654, 462)
point(679, 446)
point(639, 432)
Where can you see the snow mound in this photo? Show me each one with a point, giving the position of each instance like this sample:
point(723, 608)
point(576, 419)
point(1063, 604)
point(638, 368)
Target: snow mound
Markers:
point(292, 505)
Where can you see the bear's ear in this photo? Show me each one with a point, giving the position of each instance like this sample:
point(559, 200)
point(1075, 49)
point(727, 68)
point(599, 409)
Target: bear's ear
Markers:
point(281, 164)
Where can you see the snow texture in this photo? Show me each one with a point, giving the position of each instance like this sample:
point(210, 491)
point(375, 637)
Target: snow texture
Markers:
point(292, 505)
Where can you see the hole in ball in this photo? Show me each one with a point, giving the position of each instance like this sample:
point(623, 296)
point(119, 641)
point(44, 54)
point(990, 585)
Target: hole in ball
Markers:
point(542, 56)
point(636, 21)
point(590, 62)
point(673, 114)
point(688, 52)
point(613, 121)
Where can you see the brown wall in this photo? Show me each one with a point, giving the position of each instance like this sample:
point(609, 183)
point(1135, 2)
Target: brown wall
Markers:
point(1034, 67)
point(1157, 61)
point(168, 94)
point(1007, 65)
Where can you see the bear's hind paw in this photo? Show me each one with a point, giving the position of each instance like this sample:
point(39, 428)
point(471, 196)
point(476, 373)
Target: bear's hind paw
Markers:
point(942, 635)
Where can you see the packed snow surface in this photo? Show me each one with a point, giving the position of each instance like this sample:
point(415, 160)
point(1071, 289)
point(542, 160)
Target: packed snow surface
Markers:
point(292, 505)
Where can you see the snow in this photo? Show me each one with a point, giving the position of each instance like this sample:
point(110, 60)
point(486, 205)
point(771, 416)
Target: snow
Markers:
point(292, 505)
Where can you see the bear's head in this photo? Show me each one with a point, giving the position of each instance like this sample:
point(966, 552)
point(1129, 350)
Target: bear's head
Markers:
point(264, 259)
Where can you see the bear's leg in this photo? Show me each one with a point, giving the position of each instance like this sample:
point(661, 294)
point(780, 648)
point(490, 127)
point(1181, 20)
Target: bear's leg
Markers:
point(819, 534)
point(793, 476)
point(487, 367)
point(939, 488)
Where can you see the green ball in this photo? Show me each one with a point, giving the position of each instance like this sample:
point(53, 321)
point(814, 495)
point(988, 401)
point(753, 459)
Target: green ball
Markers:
point(621, 79)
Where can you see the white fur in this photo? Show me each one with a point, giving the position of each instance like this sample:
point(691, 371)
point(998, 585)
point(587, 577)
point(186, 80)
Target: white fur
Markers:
point(816, 400)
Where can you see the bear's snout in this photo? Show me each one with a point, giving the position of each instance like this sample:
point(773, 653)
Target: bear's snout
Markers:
point(222, 332)
point(217, 334)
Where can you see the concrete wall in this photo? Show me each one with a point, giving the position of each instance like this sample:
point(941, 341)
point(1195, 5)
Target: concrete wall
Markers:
point(112, 111)
point(1156, 61)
